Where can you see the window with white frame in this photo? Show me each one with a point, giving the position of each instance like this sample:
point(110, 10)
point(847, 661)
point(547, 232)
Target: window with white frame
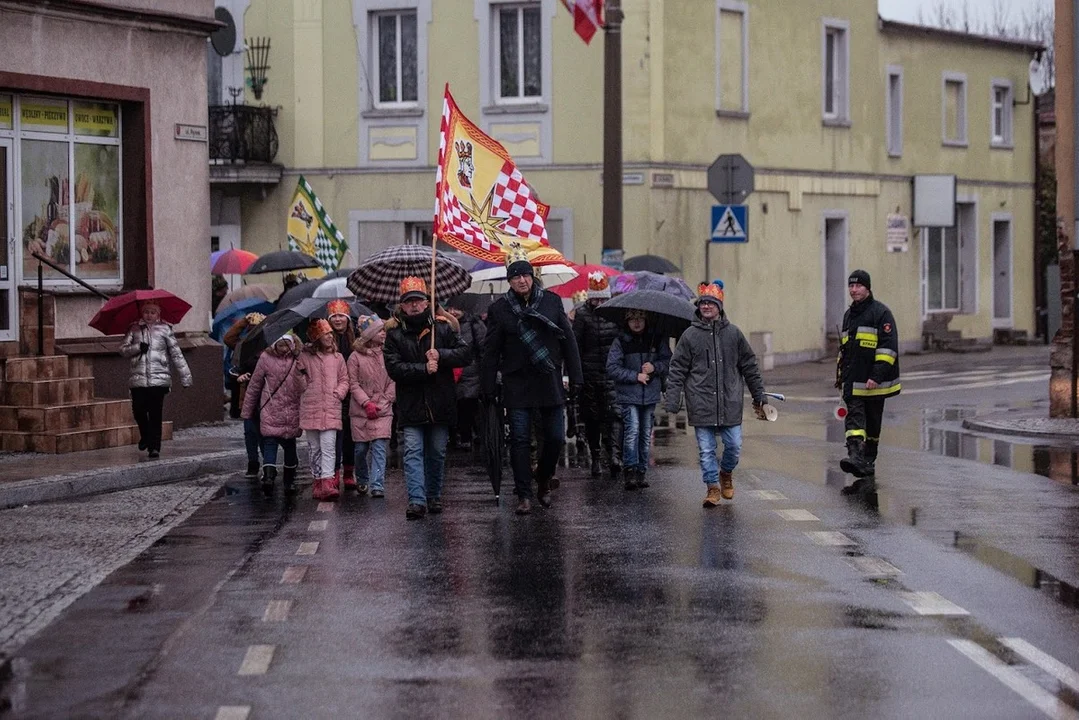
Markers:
point(835, 70)
point(1001, 115)
point(518, 52)
point(395, 58)
point(732, 57)
point(954, 109)
point(894, 109)
point(942, 269)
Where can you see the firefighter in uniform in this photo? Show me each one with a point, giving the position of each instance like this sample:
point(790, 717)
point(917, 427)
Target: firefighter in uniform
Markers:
point(867, 372)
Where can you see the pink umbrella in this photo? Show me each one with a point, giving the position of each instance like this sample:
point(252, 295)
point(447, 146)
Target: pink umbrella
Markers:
point(233, 262)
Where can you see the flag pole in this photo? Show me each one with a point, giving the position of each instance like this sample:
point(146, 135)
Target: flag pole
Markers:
point(612, 131)
point(434, 306)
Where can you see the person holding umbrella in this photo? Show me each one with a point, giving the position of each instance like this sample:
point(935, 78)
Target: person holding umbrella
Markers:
point(596, 403)
point(530, 340)
point(712, 361)
point(152, 348)
point(638, 363)
point(421, 352)
point(240, 374)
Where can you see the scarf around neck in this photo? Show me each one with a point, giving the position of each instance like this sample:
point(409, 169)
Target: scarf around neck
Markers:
point(539, 355)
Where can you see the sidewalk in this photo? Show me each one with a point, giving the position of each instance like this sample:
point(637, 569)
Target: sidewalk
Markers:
point(1026, 424)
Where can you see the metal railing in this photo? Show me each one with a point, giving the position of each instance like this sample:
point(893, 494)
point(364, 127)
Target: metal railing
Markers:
point(41, 295)
point(242, 133)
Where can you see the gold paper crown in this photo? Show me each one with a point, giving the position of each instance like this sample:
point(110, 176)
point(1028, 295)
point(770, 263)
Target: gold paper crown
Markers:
point(254, 318)
point(337, 307)
point(597, 282)
point(317, 329)
point(580, 296)
point(413, 284)
point(710, 290)
point(515, 253)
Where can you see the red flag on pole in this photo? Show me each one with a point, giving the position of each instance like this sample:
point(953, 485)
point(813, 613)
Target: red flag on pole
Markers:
point(587, 16)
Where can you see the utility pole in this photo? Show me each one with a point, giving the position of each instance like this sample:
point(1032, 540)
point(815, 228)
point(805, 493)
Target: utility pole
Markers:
point(612, 134)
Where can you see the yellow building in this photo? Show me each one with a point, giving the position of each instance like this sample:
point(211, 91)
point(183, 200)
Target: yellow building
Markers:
point(836, 109)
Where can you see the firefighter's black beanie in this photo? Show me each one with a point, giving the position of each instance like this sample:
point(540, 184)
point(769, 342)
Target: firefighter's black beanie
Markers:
point(861, 277)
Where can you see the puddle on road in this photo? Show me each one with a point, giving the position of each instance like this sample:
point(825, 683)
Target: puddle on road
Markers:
point(1019, 569)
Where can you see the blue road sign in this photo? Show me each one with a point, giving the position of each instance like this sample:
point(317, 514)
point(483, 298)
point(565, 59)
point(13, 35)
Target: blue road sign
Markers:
point(730, 223)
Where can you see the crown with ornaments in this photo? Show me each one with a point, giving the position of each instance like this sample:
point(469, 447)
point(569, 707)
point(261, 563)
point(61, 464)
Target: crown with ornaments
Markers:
point(413, 287)
point(337, 307)
point(515, 252)
point(710, 292)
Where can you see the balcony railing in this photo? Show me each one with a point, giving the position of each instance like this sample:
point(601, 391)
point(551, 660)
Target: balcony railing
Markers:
point(242, 133)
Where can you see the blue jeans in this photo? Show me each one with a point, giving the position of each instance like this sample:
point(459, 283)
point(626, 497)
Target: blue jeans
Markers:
point(252, 439)
point(552, 436)
point(425, 461)
point(375, 477)
point(731, 435)
point(636, 436)
point(269, 450)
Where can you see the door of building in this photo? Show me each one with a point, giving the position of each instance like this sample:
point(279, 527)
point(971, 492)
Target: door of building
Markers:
point(8, 324)
point(835, 277)
point(1002, 273)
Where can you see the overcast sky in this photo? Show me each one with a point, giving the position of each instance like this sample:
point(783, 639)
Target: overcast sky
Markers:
point(907, 10)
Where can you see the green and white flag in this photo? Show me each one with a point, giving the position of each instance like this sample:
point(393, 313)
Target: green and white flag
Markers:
point(311, 231)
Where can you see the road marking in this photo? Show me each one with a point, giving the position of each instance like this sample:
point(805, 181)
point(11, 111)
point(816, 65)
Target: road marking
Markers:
point(1030, 691)
point(927, 602)
point(277, 611)
point(768, 494)
point(830, 538)
point(325, 506)
point(233, 712)
point(1045, 661)
point(317, 525)
point(1040, 377)
point(307, 548)
point(293, 574)
point(257, 660)
point(798, 515)
point(874, 567)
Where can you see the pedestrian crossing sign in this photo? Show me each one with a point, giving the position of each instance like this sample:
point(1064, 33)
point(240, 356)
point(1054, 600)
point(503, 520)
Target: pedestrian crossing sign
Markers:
point(730, 223)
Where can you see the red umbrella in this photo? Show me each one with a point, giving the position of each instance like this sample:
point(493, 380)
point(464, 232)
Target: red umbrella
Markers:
point(116, 316)
point(233, 262)
point(580, 282)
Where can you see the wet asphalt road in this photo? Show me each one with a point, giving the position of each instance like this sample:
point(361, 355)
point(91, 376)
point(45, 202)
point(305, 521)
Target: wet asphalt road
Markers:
point(791, 601)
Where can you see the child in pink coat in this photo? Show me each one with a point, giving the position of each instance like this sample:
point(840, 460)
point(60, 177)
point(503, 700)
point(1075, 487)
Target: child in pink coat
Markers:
point(371, 408)
point(325, 388)
point(273, 396)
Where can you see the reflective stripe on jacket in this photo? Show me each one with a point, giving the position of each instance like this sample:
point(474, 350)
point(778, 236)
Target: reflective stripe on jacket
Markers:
point(869, 350)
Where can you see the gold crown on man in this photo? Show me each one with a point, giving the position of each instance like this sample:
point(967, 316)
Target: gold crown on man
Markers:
point(515, 252)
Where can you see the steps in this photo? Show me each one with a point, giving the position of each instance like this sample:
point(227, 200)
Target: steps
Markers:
point(47, 405)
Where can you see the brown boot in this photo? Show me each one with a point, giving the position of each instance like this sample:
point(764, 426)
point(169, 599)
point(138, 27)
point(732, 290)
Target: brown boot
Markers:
point(726, 481)
point(712, 499)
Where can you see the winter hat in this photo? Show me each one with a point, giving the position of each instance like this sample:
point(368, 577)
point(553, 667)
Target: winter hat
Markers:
point(337, 307)
point(517, 262)
point(710, 293)
point(288, 337)
point(860, 277)
point(413, 288)
point(369, 325)
point(598, 286)
point(317, 329)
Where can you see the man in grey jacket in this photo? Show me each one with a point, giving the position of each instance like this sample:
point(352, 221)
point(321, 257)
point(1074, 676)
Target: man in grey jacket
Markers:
point(711, 362)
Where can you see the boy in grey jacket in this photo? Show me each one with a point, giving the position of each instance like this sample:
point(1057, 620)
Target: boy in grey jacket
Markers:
point(711, 362)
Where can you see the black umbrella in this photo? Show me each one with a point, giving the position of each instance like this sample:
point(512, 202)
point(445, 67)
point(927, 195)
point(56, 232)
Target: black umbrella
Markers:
point(306, 289)
point(281, 261)
point(474, 303)
point(491, 421)
point(667, 314)
point(651, 263)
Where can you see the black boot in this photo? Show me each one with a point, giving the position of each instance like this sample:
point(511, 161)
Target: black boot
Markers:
point(870, 457)
point(269, 475)
point(289, 479)
point(252, 469)
point(597, 469)
point(631, 480)
point(641, 482)
point(616, 472)
point(854, 463)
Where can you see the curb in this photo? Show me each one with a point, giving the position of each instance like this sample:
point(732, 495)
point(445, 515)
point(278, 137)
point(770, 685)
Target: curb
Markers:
point(1001, 428)
point(96, 482)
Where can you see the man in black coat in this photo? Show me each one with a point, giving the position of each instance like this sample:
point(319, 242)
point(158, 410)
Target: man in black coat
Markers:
point(426, 403)
point(529, 338)
point(600, 413)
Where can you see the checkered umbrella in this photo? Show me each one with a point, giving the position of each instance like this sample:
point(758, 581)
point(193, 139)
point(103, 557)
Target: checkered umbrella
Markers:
point(378, 277)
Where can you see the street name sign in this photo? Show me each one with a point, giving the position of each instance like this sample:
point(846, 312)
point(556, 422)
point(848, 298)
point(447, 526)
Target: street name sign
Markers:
point(730, 223)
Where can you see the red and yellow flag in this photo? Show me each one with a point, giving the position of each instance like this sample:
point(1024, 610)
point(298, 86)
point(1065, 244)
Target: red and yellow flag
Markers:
point(482, 202)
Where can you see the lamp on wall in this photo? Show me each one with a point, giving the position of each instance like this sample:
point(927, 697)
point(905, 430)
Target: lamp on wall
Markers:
point(258, 55)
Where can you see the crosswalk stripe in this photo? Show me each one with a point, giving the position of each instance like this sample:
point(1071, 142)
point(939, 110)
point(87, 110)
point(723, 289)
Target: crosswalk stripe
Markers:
point(874, 567)
point(830, 538)
point(257, 660)
point(1040, 377)
point(927, 602)
point(293, 574)
point(768, 494)
point(798, 515)
point(307, 548)
point(277, 611)
point(317, 525)
point(326, 507)
point(1030, 691)
point(233, 712)
point(1045, 661)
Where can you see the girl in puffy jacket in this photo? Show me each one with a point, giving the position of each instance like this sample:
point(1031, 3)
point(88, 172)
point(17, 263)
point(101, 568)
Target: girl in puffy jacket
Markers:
point(637, 364)
point(371, 406)
point(152, 346)
point(325, 381)
point(273, 396)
